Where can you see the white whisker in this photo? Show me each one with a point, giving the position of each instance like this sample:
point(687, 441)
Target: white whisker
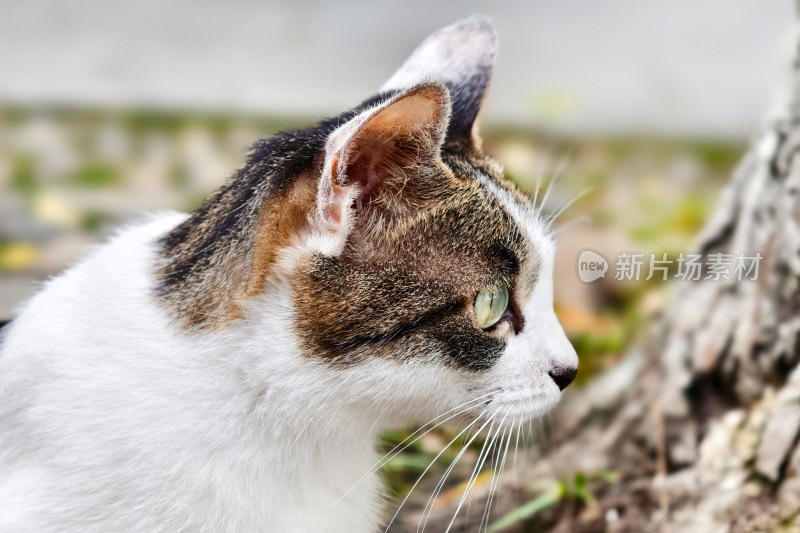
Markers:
point(429, 467)
point(559, 170)
point(567, 205)
point(493, 469)
point(581, 219)
point(444, 477)
point(516, 448)
point(539, 174)
point(499, 476)
point(400, 448)
point(479, 464)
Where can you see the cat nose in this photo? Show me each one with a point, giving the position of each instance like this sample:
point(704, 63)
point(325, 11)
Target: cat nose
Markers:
point(563, 375)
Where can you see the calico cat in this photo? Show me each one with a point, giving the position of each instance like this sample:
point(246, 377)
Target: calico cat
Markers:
point(229, 370)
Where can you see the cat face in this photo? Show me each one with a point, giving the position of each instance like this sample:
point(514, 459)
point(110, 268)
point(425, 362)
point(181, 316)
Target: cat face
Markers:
point(414, 227)
point(406, 259)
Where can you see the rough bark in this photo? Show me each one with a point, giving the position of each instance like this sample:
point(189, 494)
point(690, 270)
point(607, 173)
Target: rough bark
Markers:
point(702, 422)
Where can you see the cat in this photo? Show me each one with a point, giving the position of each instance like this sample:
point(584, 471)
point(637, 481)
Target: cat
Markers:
point(229, 370)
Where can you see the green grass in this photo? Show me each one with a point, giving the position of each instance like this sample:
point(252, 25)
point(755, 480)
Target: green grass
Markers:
point(96, 175)
point(554, 491)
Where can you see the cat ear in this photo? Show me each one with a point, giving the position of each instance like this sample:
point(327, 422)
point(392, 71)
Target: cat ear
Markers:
point(462, 57)
point(370, 159)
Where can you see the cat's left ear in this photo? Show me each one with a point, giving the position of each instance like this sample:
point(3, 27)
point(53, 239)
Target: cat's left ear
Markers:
point(462, 57)
point(374, 161)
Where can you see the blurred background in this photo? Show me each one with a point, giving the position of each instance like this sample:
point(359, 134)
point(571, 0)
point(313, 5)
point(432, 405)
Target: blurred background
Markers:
point(111, 109)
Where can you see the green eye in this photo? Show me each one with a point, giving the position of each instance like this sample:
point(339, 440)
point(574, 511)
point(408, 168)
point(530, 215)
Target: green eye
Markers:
point(490, 304)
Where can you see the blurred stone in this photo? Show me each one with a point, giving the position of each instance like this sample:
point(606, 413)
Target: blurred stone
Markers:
point(789, 492)
point(781, 430)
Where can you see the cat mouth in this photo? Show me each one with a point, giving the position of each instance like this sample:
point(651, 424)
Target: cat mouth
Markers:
point(520, 404)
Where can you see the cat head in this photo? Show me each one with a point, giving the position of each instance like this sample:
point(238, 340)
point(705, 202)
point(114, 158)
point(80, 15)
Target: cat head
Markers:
point(403, 260)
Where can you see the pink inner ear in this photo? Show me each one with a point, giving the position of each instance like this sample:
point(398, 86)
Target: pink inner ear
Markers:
point(364, 171)
point(336, 207)
point(375, 157)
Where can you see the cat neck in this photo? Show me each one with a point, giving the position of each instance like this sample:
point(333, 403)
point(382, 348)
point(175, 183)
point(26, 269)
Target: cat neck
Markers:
point(296, 420)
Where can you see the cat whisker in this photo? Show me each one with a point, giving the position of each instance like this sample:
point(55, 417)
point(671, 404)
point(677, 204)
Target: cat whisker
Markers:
point(494, 477)
point(440, 485)
point(491, 471)
point(473, 477)
point(556, 175)
point(515, 464)
point(493, 491)
point(369, 434)
point(485, 451)
point(566, 206)
point(428, 509)
point(539, 174)
point(432, 463)
point(394, 451)
point(402, 446)
point(516, 449)
point(530, 431)
point(582, 219)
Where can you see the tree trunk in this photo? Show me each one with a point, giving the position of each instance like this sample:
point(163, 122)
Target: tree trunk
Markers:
point(702, 422)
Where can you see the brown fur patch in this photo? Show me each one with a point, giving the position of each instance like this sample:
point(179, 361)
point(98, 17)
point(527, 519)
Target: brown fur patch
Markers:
point(283, 219)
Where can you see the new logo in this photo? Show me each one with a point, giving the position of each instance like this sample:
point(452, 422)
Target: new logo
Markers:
point(591, 266)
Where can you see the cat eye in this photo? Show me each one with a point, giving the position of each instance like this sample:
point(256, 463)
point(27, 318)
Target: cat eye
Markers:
point(490, 304)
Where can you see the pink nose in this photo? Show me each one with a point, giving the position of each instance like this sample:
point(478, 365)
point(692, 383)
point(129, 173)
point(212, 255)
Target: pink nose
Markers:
point(563, 375)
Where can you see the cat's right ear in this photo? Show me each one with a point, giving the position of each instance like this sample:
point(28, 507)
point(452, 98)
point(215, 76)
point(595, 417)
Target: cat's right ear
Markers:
point(375, 160)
